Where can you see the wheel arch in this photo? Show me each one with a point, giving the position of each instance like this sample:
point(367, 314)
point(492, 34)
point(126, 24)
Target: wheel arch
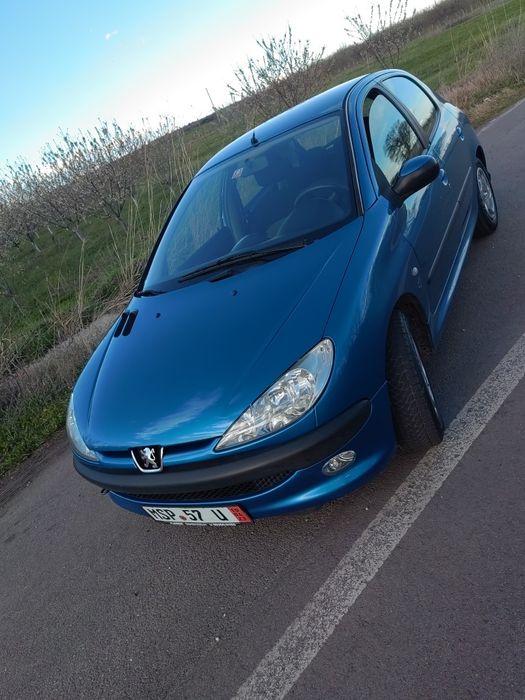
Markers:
point(480, 153)
point(412, 308)
point(416, 417)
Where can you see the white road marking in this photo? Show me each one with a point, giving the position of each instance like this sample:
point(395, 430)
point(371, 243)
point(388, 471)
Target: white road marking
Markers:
point(500, 116)
point(281, 667)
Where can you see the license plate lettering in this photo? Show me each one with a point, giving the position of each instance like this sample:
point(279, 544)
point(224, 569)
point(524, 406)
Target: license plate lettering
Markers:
point(161, 514)
point(226, 515)
point(219, 514)
point(191, 514)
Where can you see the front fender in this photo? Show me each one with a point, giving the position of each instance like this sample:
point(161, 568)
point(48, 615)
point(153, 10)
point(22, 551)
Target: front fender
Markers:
point(383, 269)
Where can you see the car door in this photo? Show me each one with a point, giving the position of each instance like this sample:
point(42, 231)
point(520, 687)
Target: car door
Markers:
point(437, 246)
point(393, 139)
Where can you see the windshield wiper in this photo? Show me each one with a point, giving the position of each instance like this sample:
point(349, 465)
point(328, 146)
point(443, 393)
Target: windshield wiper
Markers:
point(240, 258)
point(148, 293)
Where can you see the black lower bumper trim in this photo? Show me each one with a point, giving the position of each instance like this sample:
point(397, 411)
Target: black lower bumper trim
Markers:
point(241, 489)
point(227, 470)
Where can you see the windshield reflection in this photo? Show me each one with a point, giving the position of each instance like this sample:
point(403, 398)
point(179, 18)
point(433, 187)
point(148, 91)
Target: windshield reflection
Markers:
point(290, 187)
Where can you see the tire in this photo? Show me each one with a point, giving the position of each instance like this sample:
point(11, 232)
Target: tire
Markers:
point(417, 420)
point(487, 221)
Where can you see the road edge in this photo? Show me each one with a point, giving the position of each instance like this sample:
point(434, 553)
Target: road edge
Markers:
point(24, 473)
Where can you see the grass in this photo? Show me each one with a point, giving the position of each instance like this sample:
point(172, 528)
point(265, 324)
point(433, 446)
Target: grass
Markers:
point(502, 67)
point(22, 432)
point(449, 55)
point(477, 61)
point(33, 398)
point(444, 58)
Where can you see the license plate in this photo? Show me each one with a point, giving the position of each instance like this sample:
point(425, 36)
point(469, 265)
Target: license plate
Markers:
point(226, 515)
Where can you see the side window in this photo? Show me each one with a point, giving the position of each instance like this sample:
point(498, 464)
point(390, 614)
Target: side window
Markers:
point(412, 97)
point(391, 138)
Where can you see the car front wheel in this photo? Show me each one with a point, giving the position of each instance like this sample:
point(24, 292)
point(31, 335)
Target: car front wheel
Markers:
point(417, 420)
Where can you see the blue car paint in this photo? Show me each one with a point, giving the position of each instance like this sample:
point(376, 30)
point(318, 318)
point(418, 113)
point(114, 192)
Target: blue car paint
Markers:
point(308, 488)
point(424, 238)
point(198, 356)
point(213, 342)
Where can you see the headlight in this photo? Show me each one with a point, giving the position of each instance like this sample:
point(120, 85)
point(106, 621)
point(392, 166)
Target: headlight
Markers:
point(285, 401)
point(74, 434)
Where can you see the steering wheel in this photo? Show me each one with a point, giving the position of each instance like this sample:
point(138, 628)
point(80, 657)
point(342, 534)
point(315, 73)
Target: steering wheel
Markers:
point(327, 192)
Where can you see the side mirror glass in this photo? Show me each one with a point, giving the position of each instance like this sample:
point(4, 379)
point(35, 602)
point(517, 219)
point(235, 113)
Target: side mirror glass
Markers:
point(415, 174)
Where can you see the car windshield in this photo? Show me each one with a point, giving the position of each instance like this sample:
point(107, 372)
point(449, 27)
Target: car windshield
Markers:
point(294, 186)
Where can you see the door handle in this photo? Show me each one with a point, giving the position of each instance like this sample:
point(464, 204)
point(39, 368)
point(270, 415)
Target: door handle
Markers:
point(443, 176)
point(460, 133)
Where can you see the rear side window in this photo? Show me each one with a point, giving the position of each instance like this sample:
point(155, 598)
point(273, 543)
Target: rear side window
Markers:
point(391, 138)
point(415, 100)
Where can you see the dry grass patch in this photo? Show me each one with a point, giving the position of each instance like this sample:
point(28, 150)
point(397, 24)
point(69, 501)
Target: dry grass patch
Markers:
point(33, 397)
point(500, 73)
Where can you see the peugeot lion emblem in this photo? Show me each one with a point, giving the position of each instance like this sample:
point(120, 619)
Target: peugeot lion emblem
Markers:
point(148, 459)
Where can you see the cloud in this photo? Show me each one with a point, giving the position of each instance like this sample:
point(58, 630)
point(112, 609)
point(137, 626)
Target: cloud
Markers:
point(110, 35)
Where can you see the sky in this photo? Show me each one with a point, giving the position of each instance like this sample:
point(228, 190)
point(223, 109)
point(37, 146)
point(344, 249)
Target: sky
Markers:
point(65, 64)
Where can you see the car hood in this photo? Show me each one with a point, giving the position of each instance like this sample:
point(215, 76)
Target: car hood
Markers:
point(198, 356)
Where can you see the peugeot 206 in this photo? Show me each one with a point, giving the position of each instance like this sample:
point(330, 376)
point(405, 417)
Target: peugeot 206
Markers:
point(273, 355)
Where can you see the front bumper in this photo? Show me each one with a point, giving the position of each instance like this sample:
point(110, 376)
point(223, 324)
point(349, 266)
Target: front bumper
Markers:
point(366, 428)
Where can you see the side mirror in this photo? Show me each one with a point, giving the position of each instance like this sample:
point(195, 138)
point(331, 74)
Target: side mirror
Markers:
point(415, 174)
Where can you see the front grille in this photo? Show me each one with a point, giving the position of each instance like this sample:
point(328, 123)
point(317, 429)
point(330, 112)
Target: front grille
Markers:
point(246, 488)
point(168, 449)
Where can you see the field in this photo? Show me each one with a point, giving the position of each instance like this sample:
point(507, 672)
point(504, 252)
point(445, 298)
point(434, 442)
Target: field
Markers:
point(478, 61)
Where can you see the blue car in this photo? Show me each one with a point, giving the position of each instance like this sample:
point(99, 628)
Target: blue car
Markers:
point(273, 355)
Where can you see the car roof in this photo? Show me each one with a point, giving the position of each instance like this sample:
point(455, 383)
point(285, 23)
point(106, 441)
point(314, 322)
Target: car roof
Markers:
point(326, 102)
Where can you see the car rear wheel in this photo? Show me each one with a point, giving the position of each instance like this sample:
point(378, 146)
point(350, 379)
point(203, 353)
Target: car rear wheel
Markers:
point(487, 221)
point(417, 420)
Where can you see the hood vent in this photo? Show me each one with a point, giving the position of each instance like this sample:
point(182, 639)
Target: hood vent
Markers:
point(126, 323)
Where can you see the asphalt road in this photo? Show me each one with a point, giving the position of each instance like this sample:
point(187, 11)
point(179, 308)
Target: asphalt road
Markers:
point(99, 603)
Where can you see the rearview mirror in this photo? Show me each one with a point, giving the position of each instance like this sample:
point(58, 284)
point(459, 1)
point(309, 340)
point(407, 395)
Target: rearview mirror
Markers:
point(415, 174)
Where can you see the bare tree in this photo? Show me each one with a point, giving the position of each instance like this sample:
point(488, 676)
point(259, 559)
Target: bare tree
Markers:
point(167, 157)
point(287, 73)
point(49, 198)
point(18, 210)
point(384, 33)
point(99, 169)
point(131, 176)
point(399, 144)
point(105, 170)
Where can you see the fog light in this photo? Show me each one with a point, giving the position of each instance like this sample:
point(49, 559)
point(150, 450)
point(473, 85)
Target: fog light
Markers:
point(339, 462)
